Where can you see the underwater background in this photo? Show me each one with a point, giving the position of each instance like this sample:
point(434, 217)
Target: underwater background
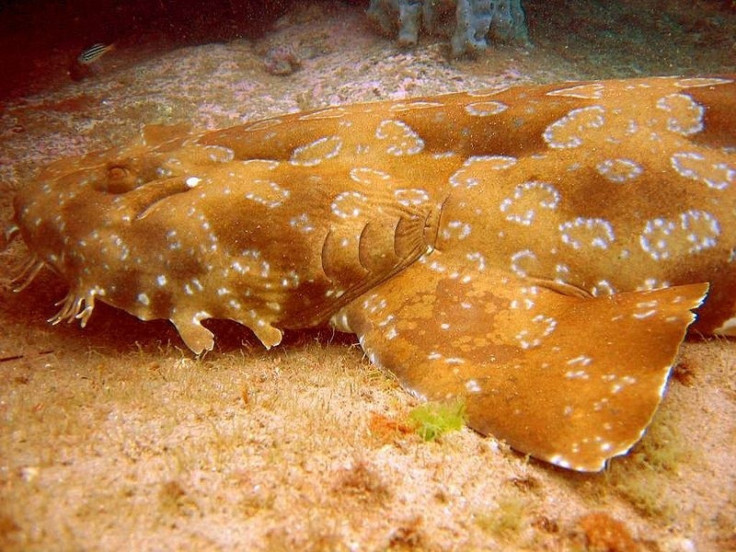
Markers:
point(114, 437)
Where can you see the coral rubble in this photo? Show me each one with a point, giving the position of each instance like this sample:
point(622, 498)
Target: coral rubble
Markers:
point(468, 22)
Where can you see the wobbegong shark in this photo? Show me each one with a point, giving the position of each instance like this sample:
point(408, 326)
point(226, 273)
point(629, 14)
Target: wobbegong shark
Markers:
point(538, 252)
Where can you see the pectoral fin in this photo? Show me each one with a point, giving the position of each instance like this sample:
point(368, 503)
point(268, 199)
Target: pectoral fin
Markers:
point(568, 379)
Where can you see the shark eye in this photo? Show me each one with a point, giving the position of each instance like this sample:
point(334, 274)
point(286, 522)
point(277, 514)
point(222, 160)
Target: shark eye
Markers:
point(119, 180)
point(115, 173)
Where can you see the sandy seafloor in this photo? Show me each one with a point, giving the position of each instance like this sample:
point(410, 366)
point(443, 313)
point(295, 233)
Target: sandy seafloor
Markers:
point(116, 438)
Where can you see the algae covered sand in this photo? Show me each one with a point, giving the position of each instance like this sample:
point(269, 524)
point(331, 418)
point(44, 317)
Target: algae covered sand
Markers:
point(115, 437)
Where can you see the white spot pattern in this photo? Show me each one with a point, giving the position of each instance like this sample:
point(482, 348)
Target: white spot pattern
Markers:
point(250, 262)
point(518, 258)
point(400, 137)
point(581, 360)
point(219, 154)
point(592, 91)
point(329, 113)
point(411, 106)
point(685, 115)
point(596, 232)
point(619, 170)
point(520, 207)
point(563, 272)
point(543, 326)
point(487, 92)
point(693, 231)
point(472, 386)
point(259, 164)
point(701, 230)
point(302, 222)
point(477, 257)
point(527, 299)
point(695, 166)
point(267, 193)
point(475, 169)
point(652, 283)
point(485, 109)
point(456, 229)
point(602, 288)
point(316, 152)
point(434, 355)
point(696, 82)
point(569, 131)
point(264, 125)
point(411, 196)
point(370, 177)
point(349, 204)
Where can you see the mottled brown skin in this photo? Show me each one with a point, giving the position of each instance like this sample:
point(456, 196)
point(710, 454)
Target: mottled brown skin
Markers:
point(537, 251)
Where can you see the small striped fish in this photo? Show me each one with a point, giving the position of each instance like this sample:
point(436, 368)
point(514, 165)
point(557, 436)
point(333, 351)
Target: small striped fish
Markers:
point(94, 52)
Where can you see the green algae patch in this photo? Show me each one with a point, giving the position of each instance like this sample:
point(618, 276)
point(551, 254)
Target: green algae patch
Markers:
point(432, 420)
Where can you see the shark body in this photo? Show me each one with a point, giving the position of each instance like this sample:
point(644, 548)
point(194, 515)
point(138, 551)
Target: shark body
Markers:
point(536, 251)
